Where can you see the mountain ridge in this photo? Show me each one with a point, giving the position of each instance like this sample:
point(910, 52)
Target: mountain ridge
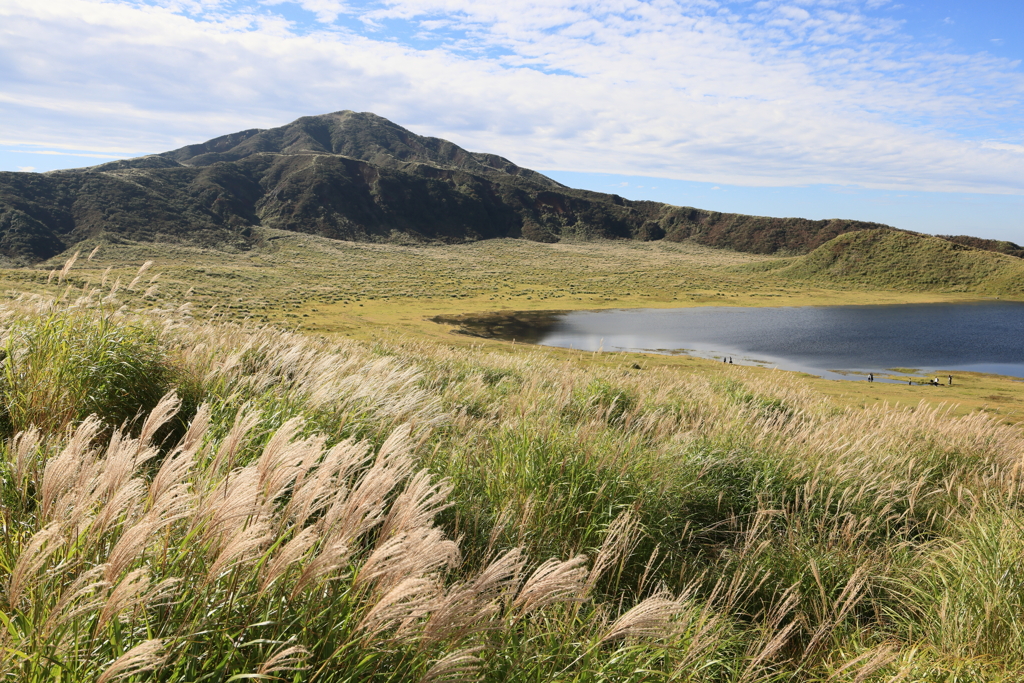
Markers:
point(352, 176)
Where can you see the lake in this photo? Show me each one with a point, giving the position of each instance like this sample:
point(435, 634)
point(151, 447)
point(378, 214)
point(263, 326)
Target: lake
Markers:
point(837, 342)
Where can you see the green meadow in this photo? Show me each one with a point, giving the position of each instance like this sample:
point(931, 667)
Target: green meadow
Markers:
point(270, 465)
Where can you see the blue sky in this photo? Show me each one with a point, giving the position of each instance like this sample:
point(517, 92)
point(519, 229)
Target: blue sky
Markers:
point(904, 113)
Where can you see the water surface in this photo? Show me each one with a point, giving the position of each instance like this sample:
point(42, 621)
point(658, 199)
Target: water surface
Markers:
point(830, 341)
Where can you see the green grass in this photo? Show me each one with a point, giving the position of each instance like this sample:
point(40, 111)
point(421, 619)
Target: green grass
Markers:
point(64, 365)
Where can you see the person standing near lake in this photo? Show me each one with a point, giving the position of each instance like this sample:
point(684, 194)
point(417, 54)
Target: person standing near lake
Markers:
point(951, 380)
point(871, 377)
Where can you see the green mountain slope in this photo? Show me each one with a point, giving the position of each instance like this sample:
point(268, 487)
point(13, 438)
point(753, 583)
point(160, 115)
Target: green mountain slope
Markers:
point(896, 260)
point(353, 176)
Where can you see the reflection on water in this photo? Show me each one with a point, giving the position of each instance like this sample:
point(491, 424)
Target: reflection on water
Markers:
point(983, 336)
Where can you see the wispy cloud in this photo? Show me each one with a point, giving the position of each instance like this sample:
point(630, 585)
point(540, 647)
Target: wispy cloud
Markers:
point(53, 152)
point(1019, 149)
point(766, 93)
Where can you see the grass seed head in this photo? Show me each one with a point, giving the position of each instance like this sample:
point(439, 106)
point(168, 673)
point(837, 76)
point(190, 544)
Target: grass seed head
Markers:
point(288, 659)
point(146, 656)
point(289, 554)
point(553, 581)
point(650, 619)
point(128, 592)
point(406, 603)
point(32, 558)
point(461, 666)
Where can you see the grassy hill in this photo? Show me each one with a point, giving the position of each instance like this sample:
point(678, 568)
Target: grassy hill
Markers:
point(884, 259)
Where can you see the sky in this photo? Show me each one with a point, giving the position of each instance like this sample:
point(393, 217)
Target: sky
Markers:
point(906, 113)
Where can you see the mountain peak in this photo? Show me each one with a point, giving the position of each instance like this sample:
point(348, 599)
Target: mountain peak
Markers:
point(357, 135)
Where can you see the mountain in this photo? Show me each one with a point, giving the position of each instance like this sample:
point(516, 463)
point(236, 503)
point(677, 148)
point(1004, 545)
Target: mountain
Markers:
point(352, 176)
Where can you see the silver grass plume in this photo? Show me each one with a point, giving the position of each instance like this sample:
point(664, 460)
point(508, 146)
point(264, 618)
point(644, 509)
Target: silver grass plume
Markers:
point(651, 618)
point(416, 506)
point(138, 276)
point(871, 661)
point(60, 473)
point(405, 603)
point(461, 666)
point(25, 445)
point(290, 553)
point(282, 458)
point(120, 506)
point(414, 553)
point(177, 464)
point(332, 556)
point(288, 659)
point(354, 513)
point(32, 558)
point(132, 543)
point(246, 544)
point(124, 595)
point(315, 492)
point(67, 266)
point(228, 451)
point(620, 540)
point(166, 408)
point(225, 510)
point(468, 608)
point(553, 581)
point(84, 595)
point(776, 636)
point(114, 288)
point(146, 656)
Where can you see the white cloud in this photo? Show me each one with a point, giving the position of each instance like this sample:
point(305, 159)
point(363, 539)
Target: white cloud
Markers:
point(1006, 146)
point(26, 169)
point(53, 152)
point(777, 93)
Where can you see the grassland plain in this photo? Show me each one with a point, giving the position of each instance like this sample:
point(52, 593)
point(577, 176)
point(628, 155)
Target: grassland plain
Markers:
point(372, 291)
point(300, 507)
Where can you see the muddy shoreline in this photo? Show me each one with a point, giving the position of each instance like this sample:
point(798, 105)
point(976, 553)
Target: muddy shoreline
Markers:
point(528, 327)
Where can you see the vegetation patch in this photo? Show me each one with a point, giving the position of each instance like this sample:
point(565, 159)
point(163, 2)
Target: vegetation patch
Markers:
point(403, 509)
